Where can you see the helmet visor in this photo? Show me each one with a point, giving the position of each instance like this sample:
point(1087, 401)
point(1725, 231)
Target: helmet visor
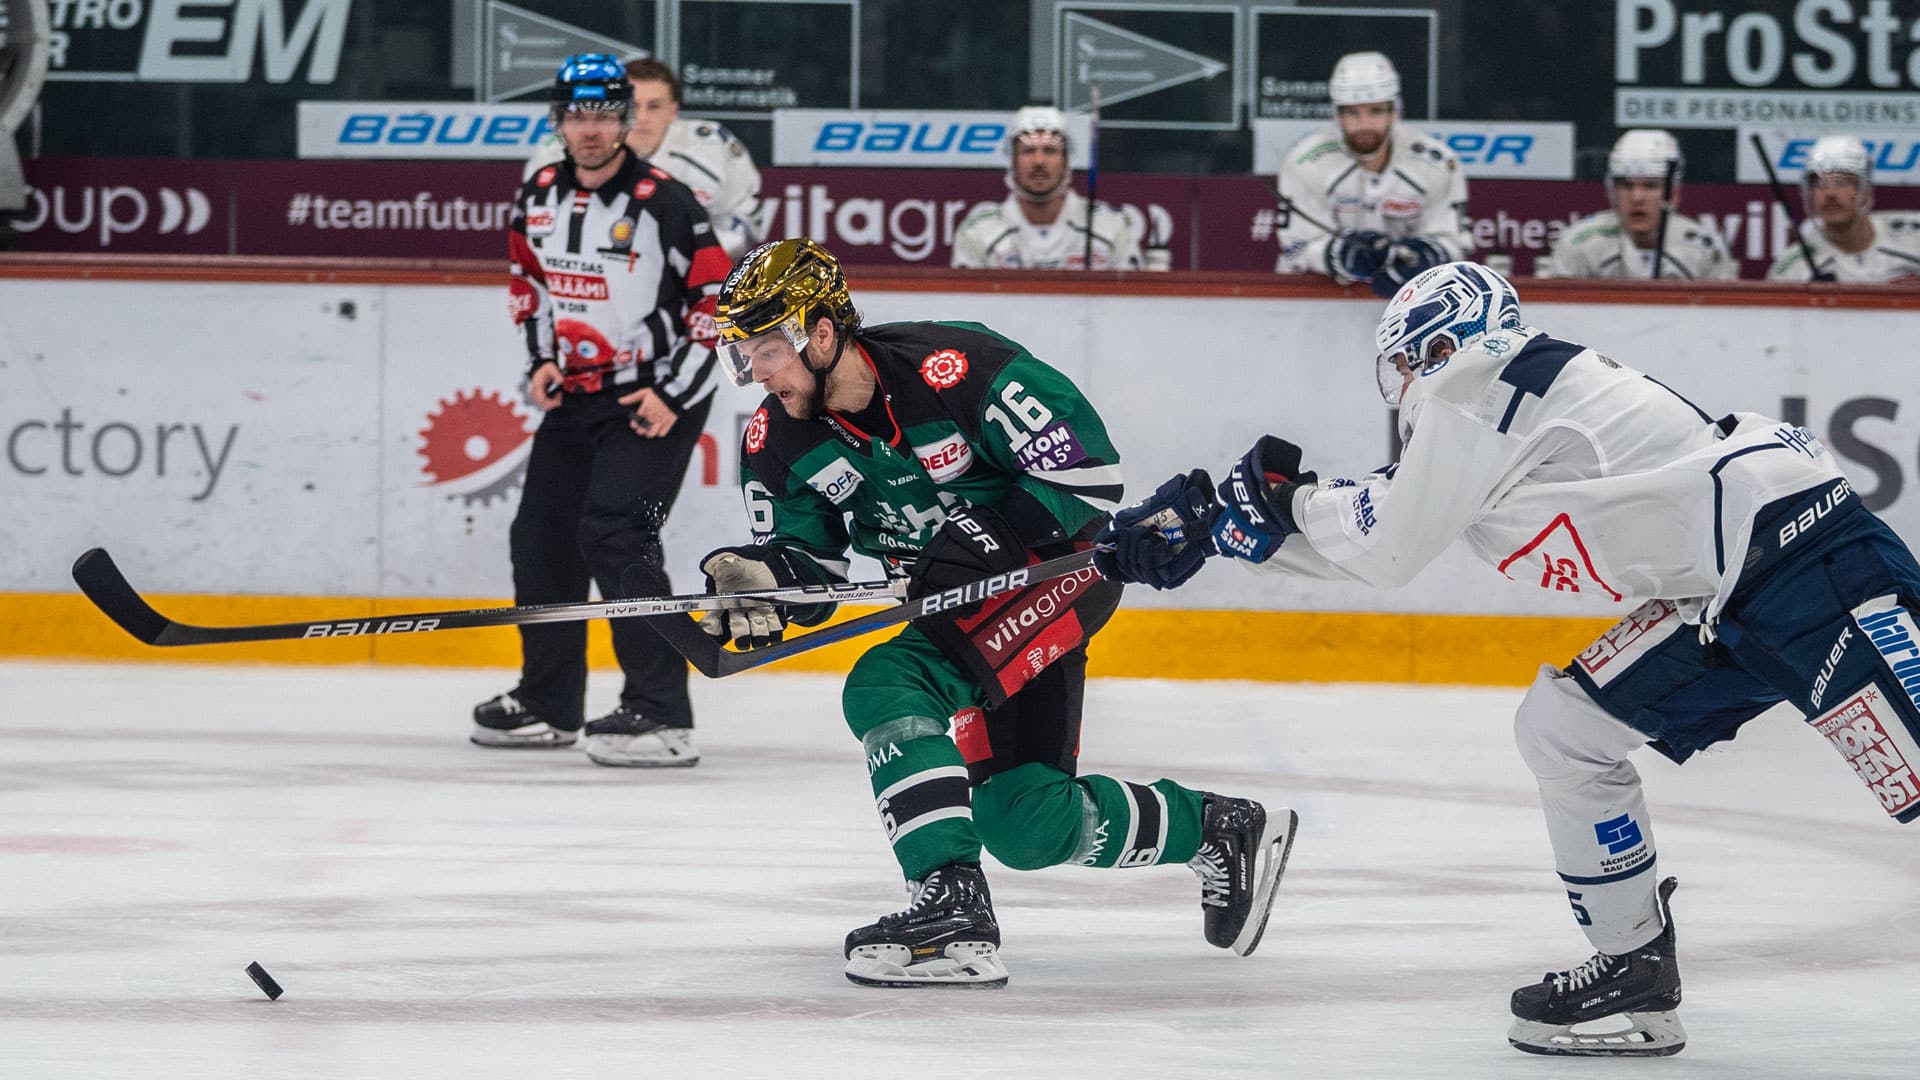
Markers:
point(1396, 370)
point(751, 360)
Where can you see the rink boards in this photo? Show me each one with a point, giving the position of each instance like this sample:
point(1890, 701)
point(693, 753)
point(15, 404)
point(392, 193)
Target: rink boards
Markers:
point(260, 445)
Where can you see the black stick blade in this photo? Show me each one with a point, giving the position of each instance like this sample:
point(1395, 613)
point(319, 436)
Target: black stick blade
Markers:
point(702, 651)
point(107, 587)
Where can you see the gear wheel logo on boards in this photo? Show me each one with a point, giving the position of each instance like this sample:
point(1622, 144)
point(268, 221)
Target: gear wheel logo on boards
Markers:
point(475, 446)
point(944, 370)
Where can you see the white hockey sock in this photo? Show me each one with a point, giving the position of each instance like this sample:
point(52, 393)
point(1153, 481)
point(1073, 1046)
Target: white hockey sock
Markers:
point(1596, 815)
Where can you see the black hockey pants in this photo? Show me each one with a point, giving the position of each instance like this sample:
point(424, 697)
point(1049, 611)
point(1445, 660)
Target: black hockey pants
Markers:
point(596, 498)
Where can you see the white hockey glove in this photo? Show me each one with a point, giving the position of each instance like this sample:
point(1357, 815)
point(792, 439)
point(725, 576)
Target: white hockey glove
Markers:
point(750, 568)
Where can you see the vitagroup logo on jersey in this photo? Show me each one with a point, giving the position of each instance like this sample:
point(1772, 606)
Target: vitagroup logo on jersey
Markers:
point(1484, 148)
point(384, 129)
point(1896, 153)
point(899, 138)
point(1831, 64)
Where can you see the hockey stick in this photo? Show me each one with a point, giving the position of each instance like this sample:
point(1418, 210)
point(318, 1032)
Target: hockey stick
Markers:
point(1666, 210)
point(107, 587)
point(1780, 196)
point(1093, 169)
point(711, 658)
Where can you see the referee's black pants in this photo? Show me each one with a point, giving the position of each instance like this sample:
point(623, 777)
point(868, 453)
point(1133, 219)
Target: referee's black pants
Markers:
point(596, 498)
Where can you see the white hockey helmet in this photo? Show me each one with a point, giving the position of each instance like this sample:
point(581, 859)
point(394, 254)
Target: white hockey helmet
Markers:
point(1035, 120)
point(1363, 77)
point(1454, 304)
point(1047, 122)
point(1644, 153)
point(1840, 154)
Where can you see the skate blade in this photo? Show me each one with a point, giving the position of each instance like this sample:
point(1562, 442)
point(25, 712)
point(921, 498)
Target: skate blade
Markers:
point(1276, 843)
point(651, 753)
point(965, 965)
point(495, 739)
point(1645, 1034)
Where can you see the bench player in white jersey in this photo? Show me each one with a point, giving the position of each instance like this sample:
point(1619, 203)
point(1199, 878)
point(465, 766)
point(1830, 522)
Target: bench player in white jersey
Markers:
point(1042, 223)
point(1370, 199)
point(1621, 242)
point(1749, 572)
point(701, 154)
point(1850, 241)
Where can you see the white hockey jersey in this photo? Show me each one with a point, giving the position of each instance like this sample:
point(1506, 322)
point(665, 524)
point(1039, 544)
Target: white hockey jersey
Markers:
point(1597, 247)
point(998, 236)
point(1894, 255)
point(1563, 469)
point(706, 157)
point(1420, 192)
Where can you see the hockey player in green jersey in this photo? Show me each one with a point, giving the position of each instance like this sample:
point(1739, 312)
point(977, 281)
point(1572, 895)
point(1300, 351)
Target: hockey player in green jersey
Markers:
point(950, 453)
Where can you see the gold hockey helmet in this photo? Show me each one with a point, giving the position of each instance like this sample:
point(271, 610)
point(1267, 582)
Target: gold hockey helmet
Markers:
point(780, 287)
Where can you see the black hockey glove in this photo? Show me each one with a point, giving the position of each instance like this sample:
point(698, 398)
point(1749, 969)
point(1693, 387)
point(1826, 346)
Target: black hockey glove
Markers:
point(1404, 261)
point(973, 543)
point(744, 569)
point(1357, 254)
point(1162, 540)
point(1256, 501)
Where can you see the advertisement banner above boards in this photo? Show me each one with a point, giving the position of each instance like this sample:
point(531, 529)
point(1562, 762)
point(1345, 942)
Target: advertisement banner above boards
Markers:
point(742, 59)
point(1819, 64)
point(1895, 152)
point(378, 129)
point(1294, 50)
point(201, 41)
point(1486, 148)
point(520, 50)
point(905, 138)
point(1155, 65)
point(896, 217)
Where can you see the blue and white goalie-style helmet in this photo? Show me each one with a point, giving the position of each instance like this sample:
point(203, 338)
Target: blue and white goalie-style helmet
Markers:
point(1454, 304)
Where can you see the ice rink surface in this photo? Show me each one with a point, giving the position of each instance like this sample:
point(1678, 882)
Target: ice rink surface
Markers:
point(438, 910)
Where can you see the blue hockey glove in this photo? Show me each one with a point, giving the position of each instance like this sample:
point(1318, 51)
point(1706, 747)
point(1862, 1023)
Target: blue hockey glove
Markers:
point(1405, 260)
point(1161, 540)
point(1256, 501)
point(1357, 254)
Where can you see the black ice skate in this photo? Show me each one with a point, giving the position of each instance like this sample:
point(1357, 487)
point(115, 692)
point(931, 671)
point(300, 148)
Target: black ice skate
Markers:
point(1243, 852)
point(501, 722)
point(947, 936)
point(1609, 1006)
point(624, 737)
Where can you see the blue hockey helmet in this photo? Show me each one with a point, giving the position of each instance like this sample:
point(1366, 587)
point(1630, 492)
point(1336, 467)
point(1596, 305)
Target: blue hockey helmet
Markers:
point(592, 82)
point(1455, 305)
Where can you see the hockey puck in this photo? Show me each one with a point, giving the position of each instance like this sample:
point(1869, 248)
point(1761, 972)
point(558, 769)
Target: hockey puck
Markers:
point(264, 981)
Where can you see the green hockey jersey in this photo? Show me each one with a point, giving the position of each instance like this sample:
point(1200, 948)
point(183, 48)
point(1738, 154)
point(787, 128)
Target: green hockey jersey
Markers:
point(970, 417)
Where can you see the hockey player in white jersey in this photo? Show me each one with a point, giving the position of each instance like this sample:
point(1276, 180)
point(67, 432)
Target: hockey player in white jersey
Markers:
point(1749, 571)
point(701, 154)
point(1042, 224)
point(1622, 242)
point(1850, 241)
point(1368, 198)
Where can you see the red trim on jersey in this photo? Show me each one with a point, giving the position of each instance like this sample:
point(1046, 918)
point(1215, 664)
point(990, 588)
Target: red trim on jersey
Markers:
point(523, 256)
point(878, 389)
point(710, 267)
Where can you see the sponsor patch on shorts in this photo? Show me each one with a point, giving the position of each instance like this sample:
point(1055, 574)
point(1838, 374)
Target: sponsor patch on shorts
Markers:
point(1867, 731)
